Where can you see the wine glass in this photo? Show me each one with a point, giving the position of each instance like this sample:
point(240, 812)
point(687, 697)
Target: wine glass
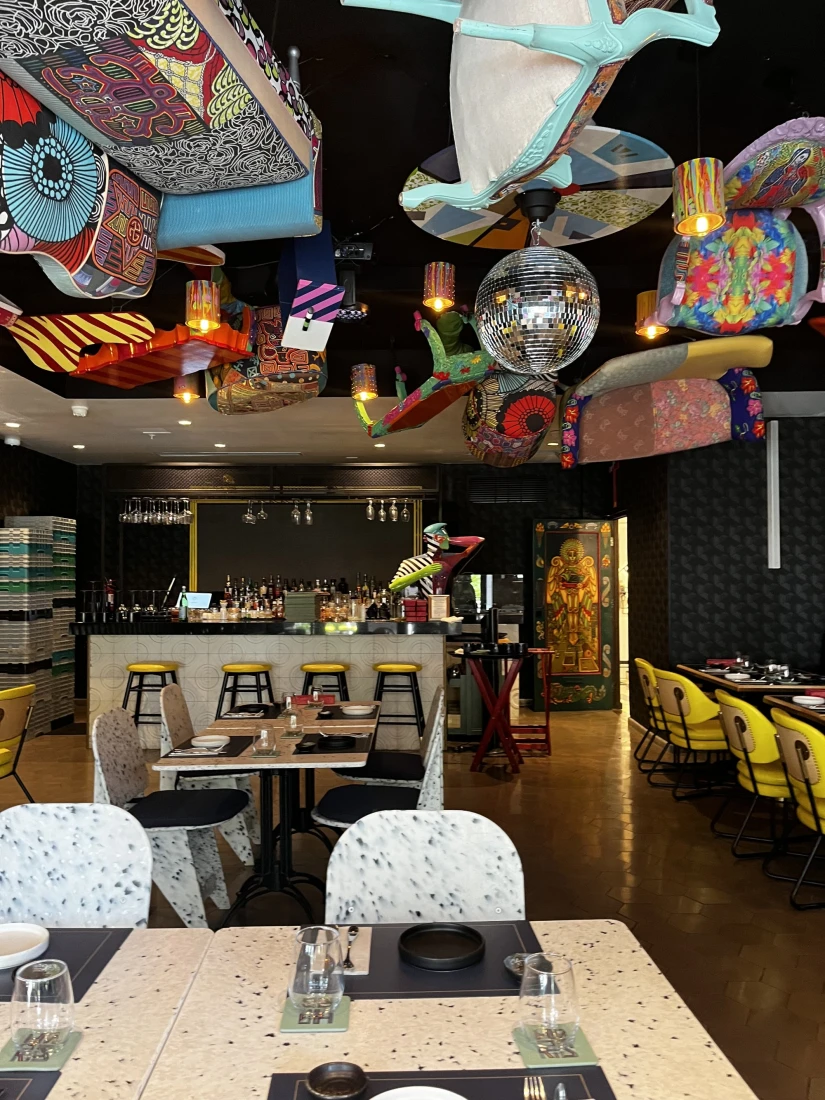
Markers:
point(548, 1003)
point(188, 514)
point(249, 515)
point(394, 510)
point(42, 1006)
point(405, 513)
point(382, 513)
point(295, 514)
point(317, 984)
point(370, 509)
point(262, 514)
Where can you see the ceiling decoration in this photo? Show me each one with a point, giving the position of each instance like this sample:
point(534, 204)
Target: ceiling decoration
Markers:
point(504, 134)
point(665, 399)
point(752, 272)
point(618, 179)
point(168, 89)
point(56, 343)
point(507, 416)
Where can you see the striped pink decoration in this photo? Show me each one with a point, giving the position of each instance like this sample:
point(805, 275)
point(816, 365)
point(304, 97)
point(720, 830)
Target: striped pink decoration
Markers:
point(324, 299)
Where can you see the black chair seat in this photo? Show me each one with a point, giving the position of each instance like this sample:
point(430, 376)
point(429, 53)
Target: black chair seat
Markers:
point(350, 804)
point(388, 765)
point(188, 809)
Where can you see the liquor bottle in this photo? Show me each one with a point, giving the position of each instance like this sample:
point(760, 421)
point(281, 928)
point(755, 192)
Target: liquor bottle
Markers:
point(318, 585)
point(301, 586)
point(384, 608)
point(227, 589)
point(109, 588)
point(279, 591)
point(365, 590)
point(183, 611)
point(333, 587)
point(358, 583)
point(372, 610)
point(270, 589)
point(262, 589)
point(343, 587)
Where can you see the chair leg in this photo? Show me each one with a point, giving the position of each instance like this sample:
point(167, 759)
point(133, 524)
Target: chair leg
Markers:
point(208, 867)
point(417, 704)
point(222, 696)
point(22, 786)
point(173, 872)
point(801, 881)
point(343, 690)
point(234, 831)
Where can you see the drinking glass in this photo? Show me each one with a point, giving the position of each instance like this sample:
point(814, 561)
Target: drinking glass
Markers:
point(548, 1003)
point(42, 1006)
point(317, 984)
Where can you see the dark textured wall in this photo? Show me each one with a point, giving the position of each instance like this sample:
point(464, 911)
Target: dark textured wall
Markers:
point(33, 484)
point(723, 597)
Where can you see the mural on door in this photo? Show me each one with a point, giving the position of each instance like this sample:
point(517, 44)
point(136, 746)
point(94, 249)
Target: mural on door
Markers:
point(574, 573)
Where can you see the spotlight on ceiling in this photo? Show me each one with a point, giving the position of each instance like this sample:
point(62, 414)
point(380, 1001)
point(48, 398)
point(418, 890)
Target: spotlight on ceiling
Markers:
point(80, 410)
point(351, 311)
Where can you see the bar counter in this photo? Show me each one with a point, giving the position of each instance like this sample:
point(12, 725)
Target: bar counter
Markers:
point(201, 648)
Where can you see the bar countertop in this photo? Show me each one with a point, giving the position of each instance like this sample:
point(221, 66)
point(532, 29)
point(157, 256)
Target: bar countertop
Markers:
point(270, 626)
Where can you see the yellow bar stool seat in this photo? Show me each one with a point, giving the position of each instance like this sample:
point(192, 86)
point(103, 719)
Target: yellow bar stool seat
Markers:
point(153, 666)
point(147, 678)
point(407, 671)
point(244, 678)
point(332, 675)
point(396, 666)
point(244, 667)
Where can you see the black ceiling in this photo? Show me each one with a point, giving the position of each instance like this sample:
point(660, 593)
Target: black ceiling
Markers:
point(379, 83)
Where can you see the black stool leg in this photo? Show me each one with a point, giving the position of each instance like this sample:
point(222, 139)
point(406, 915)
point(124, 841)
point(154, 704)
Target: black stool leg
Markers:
point(128, 690)
point(343, 690)
point(139, 698)
point(222, 696)
point(174, 676)
point(233, 690)
point(419, 709)
point(379, 687)
point(259, 694)
point(308, 679)
point(268, 686)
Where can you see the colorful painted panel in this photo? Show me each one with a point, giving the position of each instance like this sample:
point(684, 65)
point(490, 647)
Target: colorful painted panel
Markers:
point(574, 574)
point(785, 167)
point(168, 98)
point(506, 418)
point(55, 342)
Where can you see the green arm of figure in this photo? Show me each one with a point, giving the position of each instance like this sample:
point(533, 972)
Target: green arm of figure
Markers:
point(418, 575)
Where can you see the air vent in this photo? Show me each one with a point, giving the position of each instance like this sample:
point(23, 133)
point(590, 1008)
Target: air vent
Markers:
point(493, 490)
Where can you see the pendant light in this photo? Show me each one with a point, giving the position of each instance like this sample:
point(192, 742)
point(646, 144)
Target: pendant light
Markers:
point(187, 387)
point(203, 305)
point(370, 509)
point(646, 304)
point(308, 514)
point(363, 382)
point(295, 514)
point(698, 197)
point(439, 286)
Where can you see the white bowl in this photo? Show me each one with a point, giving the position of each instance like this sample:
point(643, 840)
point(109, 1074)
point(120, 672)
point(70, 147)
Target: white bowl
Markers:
point(737, 677)
point(808, 700)
point(210, 741)
point(20, 943)
point(418, 1092)
point(358, 708)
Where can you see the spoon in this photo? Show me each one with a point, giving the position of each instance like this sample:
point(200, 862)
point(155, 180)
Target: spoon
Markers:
point(352, 932)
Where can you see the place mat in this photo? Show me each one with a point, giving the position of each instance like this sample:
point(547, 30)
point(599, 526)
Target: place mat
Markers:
point(580, 1054)
point(86, 951)
point(584, 1083)
point(310, 745)
point(292, 1024)
point(252, 710)
point(27, 1085)
point(9, 1062)
point(390, 977)
point(335, 714)
point(236, 747)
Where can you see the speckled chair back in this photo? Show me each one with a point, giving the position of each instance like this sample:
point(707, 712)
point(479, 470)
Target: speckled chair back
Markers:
point(176, 722)
point(75, 865)
point(432, 785)
point(803, 752)
point(748, 732)
point(15, 709)
point(400, 866)
point(121, 772)
point(681, 697)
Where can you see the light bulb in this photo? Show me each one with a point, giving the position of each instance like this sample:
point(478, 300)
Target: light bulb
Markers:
point(364, 396)
point(438, 304)
point(204, 325)
point(650, 332)
point(702, 224)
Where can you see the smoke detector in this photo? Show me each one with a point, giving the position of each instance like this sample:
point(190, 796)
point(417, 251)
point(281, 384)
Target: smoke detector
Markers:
point(80, 410)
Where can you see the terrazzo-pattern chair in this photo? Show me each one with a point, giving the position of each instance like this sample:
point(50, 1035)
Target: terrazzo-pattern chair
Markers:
point(180, 824)
point(176, 728)
point(343, 806)
point(74, 865)
point(445, 865)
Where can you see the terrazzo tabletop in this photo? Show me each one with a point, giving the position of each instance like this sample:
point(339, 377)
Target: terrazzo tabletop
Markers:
point(128, 1013)
point(226, 1042)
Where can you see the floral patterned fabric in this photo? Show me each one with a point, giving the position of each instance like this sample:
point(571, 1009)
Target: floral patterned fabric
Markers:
point(746, 420)
point(688, 413)
point(571, 422)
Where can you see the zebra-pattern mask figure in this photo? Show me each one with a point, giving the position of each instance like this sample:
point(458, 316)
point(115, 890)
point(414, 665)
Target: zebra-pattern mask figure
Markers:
point(422, 568)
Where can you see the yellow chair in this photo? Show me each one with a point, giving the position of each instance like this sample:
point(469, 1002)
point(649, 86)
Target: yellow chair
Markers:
point(693, 727)
point(656, 723)
point(802, 748)
point(232, 685)
point(16, 706)
point(407, 671)
point(333, 674)
point(751, 738)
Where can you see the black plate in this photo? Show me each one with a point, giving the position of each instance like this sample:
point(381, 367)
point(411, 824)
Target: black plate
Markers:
point(441, 946)
point(335, 742)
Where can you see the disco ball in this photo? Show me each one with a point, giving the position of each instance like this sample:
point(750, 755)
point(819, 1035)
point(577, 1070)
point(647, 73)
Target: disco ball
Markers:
point(537, 310)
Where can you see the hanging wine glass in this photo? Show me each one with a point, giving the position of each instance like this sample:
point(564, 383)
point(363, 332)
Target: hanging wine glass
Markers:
point(308, 515)
point(249, 515)
point(405, 513)
point(188, 514)
point(382, 513)
point(370, 509)
point(166, 513)
point(295, 514)
point(393, 511)
point(262, 515)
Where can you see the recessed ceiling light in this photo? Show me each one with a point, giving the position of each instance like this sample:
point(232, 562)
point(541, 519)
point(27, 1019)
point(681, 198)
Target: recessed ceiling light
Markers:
point(12, 424)
point(350, 456)
point(185, 423)
point(220, 444)
point(79, 446)
point(380, 444)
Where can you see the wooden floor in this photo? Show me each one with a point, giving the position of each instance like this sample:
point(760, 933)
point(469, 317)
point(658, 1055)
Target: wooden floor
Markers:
point(597, 841)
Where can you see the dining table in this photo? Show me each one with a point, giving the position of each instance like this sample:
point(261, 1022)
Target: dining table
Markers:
point(129, 985)
point(275, 872)
point(452, 1030)
point(814, 715)
point(756, 685)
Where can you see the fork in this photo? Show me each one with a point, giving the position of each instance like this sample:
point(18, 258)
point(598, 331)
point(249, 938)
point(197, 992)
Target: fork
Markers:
point(534, 1088)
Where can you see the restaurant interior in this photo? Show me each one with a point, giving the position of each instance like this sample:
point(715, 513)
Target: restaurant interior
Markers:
point(412, 550)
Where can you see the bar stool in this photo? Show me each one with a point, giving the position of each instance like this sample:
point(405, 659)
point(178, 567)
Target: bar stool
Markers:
point(232, 676)
point(334, 674)
point(408, 671)
point(141, 677)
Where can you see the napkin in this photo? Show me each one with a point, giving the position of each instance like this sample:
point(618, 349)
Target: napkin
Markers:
point(360, 954)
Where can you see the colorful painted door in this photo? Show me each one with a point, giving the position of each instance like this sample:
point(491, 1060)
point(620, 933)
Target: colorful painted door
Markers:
point(574, 573)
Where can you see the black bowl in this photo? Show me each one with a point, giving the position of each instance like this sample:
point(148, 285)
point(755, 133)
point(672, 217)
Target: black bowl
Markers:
point(336, 1081)
point(441, 946)
point(335, 742)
